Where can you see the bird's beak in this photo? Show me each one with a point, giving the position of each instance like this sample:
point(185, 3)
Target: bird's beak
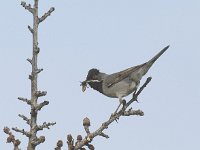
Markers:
point(84, 85)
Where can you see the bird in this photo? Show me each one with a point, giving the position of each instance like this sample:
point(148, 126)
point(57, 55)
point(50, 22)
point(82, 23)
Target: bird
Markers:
point(119, 84)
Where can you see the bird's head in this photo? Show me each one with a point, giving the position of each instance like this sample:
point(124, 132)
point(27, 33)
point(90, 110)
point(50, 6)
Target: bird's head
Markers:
point(92, 74)
point(92, 77)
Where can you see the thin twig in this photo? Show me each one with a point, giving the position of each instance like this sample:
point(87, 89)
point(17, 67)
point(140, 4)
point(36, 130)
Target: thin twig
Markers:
point(28, 134)
point(131, 112)
point(41, 105)
point(29, 60)
point(25, 118)
point(30, 29)
point(39, 70)
point(40, 93)
point(45, 125)
point(104, 135)
point(28, 7)
point(25, 100)
point(46, 14)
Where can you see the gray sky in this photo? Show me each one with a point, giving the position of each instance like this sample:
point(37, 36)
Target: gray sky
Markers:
point(110, 35)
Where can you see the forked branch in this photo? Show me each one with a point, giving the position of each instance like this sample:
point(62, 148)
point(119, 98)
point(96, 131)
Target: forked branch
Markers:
point(81, 142)
point(47, 14)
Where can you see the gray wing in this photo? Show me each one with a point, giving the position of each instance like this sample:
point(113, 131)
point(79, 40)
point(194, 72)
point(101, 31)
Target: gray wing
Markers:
point(119, 76)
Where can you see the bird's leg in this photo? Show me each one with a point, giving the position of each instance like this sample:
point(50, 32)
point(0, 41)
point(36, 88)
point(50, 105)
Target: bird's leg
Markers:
point(121, 102)
point(135, 91)
point(118, 107)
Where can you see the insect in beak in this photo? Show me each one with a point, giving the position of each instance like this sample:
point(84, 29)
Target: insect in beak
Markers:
point(84, 85)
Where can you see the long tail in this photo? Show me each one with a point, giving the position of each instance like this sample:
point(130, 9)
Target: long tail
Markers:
point(158, 55)
point(148, 64)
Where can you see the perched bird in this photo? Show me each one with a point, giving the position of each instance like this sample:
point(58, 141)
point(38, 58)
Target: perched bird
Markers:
point(120, 84)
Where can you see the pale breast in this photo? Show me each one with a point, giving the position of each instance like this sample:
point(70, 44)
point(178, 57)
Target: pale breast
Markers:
point(120, 89)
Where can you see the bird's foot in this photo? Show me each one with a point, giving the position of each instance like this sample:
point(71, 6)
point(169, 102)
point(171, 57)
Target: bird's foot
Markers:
point(136, 100)
point(123, 105)
point(134, 93)
point(123, 102)
point(114, 115)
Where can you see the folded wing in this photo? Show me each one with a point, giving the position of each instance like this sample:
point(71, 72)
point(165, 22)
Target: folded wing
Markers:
point(119, 76)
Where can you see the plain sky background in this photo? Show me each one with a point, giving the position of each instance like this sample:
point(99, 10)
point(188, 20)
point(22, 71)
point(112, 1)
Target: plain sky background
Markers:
point(110, 35)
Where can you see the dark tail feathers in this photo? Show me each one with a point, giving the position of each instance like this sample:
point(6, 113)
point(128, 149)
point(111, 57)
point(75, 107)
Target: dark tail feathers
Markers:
point(158, 55)
point(148, 64)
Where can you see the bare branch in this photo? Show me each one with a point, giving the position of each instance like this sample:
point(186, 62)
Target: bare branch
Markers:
point(30, 77)
point(29, 60)
point(25, 118)
point(28, 7)
point(39, 70)
point(144, 85)
point(30, 29)
point(104, 135)
point(45, 125)
point(133, 112)
point(46, 14)
point(40, 93)
point(39, 107)
point(11, 138)
point(59, 145)
point(28, 134)
point(25, 100)
point(90, 146)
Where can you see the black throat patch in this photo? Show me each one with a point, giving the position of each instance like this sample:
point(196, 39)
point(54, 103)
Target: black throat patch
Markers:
point(93, 75)
point(97, 86)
